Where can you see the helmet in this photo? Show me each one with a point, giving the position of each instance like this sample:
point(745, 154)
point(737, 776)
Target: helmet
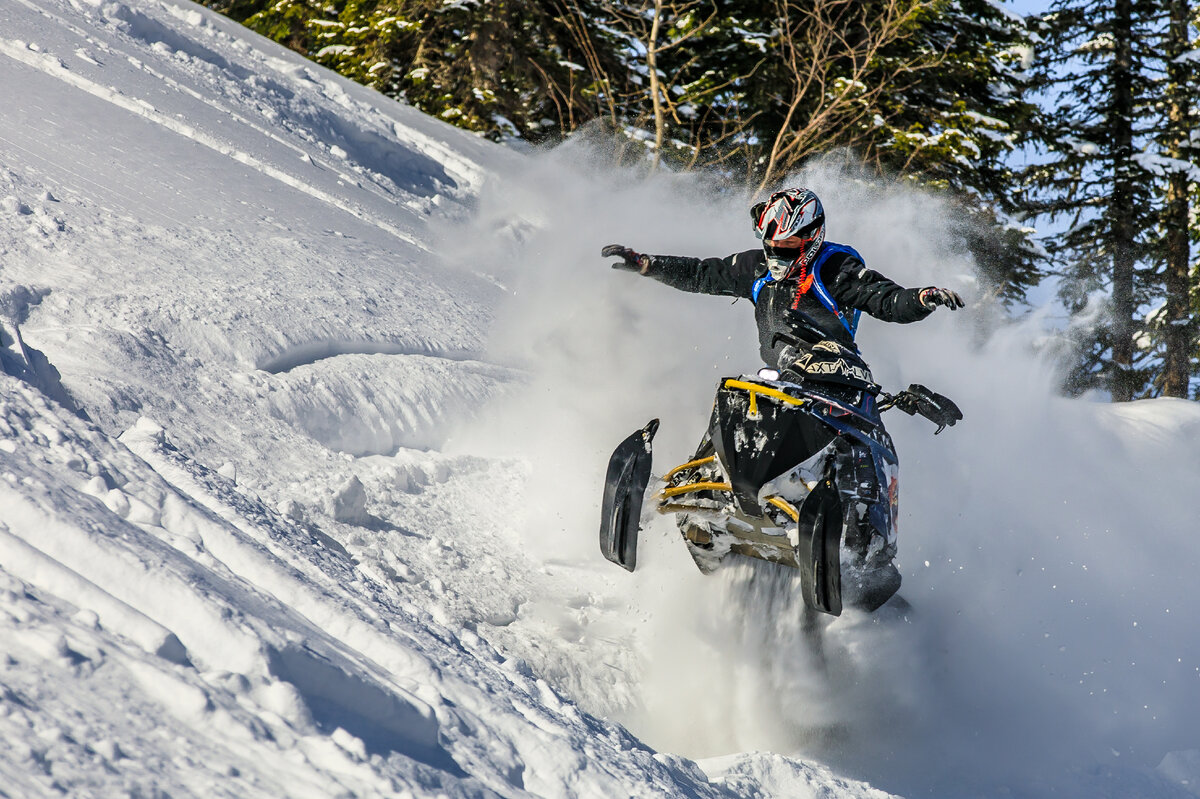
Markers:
point(791, 224)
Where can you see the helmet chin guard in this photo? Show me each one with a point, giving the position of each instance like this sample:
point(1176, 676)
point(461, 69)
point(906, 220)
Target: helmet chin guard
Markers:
point(779, 267)
point(791, 225)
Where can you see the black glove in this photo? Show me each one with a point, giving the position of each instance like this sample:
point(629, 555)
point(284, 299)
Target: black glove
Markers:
point(630, 259)
point(787, 364)
point(932, 297)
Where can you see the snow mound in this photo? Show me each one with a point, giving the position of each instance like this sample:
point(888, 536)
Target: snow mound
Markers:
point(376, 404)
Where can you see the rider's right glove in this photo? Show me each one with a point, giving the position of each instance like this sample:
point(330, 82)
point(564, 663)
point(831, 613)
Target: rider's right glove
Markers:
point(787, 363)
point(933, 297)
point(630, 259)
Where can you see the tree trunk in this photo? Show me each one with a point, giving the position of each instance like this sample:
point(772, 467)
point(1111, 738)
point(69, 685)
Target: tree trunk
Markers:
point(1120, 209)
point(660, 122)
point(1177, 362)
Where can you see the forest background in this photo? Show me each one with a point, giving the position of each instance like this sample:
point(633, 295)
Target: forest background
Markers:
point(1076, 120)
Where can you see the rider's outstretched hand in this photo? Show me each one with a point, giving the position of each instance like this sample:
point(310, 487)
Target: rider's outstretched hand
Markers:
point(932, 297)
point(630, 259)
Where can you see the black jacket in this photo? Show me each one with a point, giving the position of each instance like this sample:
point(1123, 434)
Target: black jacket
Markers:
point(794, 306)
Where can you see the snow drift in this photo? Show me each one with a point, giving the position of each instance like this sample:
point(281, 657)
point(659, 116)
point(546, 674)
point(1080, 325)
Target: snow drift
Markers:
point(305, 403)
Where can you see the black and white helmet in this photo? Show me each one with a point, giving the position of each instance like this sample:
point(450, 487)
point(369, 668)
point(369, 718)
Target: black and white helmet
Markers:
point(791, 224)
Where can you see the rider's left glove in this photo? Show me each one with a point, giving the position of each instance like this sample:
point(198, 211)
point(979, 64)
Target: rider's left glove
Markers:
point(632, 260)
point(932, 297)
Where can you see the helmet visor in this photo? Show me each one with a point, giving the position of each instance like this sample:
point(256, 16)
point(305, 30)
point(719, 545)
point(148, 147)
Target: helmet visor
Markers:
point(790, 250)
point(780, 260)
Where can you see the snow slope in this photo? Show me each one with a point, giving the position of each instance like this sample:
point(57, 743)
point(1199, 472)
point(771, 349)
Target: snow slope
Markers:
point(235, 557)
point(305, 403)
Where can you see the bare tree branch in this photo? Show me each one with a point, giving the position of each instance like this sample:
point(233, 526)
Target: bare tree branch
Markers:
point(833, 51)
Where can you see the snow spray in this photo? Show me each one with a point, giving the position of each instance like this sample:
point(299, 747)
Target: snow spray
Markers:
point(1048, 546)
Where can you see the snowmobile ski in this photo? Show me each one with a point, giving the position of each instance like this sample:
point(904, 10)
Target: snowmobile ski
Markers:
point(624, 489)
point(819, 550)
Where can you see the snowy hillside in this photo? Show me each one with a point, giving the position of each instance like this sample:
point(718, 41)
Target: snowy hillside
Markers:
point(305, 403)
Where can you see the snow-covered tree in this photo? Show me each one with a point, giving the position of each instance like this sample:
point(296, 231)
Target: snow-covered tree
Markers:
point(926, 90)
point(933, 92)
point(955, 123)
point(1121, 174)
point(1176, 324)
point(1096, 72)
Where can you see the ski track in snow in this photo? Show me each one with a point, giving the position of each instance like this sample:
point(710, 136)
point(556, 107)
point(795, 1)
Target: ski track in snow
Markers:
point(305, 403)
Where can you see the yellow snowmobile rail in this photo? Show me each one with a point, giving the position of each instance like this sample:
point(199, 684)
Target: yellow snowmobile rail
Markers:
point(667, 477)
point(691, 488)
point(755, 389)
point(786, 507)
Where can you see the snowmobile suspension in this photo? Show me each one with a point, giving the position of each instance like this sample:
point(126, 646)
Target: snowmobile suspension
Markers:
point(691, 488)
point(786, 507)
point(667, 477)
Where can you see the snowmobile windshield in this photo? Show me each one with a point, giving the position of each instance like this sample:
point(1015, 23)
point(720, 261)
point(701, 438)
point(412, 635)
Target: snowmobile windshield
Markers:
point(848, 397)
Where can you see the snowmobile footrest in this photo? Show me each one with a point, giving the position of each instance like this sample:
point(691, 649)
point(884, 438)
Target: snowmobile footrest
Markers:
point(624, 489)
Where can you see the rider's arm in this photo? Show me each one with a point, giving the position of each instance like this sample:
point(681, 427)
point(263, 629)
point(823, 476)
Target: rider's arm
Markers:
point(855, 286)
point(732, 276)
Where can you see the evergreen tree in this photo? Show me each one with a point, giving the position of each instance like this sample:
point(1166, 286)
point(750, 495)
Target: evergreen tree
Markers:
point(943, 103)
point(956, 124)
point(1098, 71)
point(682, 68)
point(1177, 323)
point(1124, 173)
point(927, 90)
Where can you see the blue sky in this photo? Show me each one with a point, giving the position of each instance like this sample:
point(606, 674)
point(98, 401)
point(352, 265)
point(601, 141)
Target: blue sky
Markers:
point(1027, 6)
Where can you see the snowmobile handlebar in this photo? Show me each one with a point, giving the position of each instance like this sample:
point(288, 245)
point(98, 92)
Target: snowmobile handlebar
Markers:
point(916, 399)
point(845, 366)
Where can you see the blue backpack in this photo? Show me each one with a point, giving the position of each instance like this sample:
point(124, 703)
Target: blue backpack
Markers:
point(818, 285)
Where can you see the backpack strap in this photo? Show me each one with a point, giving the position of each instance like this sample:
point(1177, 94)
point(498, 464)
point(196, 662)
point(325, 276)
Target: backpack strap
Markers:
point(823, 294)
point(757, 288)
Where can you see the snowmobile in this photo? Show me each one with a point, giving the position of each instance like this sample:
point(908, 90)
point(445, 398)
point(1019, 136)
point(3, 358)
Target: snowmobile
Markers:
point(795, 468)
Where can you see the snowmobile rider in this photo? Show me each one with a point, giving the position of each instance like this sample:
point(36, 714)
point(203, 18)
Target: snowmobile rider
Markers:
point(806, 291)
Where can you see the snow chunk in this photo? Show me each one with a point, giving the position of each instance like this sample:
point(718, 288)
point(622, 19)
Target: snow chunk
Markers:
point(12, 205)
point(146, 430)
point(763, 775)
point(349, 504)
